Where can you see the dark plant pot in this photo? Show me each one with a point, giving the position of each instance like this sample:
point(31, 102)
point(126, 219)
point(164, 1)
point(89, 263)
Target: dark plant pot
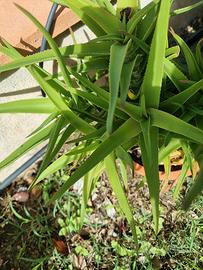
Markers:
point(179, 22)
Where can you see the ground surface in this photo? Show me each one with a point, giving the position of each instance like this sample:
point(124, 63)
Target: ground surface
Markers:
point(36, 236)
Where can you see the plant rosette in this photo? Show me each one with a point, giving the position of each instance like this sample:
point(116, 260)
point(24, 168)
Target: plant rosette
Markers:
point(162, 111)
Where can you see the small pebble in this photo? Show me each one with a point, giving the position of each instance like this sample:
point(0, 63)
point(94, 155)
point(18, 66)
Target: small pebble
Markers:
point(21, 196)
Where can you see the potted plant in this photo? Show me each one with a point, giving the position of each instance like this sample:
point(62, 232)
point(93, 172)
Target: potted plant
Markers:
point(149, 100)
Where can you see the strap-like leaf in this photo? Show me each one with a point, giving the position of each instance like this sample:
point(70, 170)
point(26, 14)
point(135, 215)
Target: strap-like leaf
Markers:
point(125, 80)
point(94, 16)
point(124, 133)
point(39, 137)
point(52, 44)
point(47, 121)
point(173, 124)
point(174, 103)
point(60, 103)
point(193, 68)
point(150, 160)
point(65, 159)
point(54, 134)
point(195, 190)
point(181, 178)
point(38, 105)
point(175, 74)
point(151, 87)
point(116, 184)
point(78, 50)
point(187, 9)
point(117, 57)
point(199, 56)
point(137, 17)
point(150, 97)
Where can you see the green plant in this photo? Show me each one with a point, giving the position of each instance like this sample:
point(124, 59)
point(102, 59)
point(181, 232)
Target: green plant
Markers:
point(158, 106)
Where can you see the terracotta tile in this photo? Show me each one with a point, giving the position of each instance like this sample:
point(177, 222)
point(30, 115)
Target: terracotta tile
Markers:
point(21, 32)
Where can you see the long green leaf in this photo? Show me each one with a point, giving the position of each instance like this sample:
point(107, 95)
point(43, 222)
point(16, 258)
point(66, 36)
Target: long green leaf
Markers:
point(150, 161)
point(175, 74)
point(152, 82)
point(193, 68)
point(150, 97)
point(62, 140)
point(195, 190)
point(137, 17)
point(125, 80)
point(117, 57)
point(181, 179)
point(99, 16)
point(38, 105)
point(87, 20)
point(39, 137)
point(62, 106)
point(147, 25)
point(174, 103)
point(47, 121)
point(52, 44)
point(116, 184)
point(187, 9)
point(171, 123)
point(78, 50)
point(199, 56)
point(59, 123)
point(64, 160)
point(124, 133)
